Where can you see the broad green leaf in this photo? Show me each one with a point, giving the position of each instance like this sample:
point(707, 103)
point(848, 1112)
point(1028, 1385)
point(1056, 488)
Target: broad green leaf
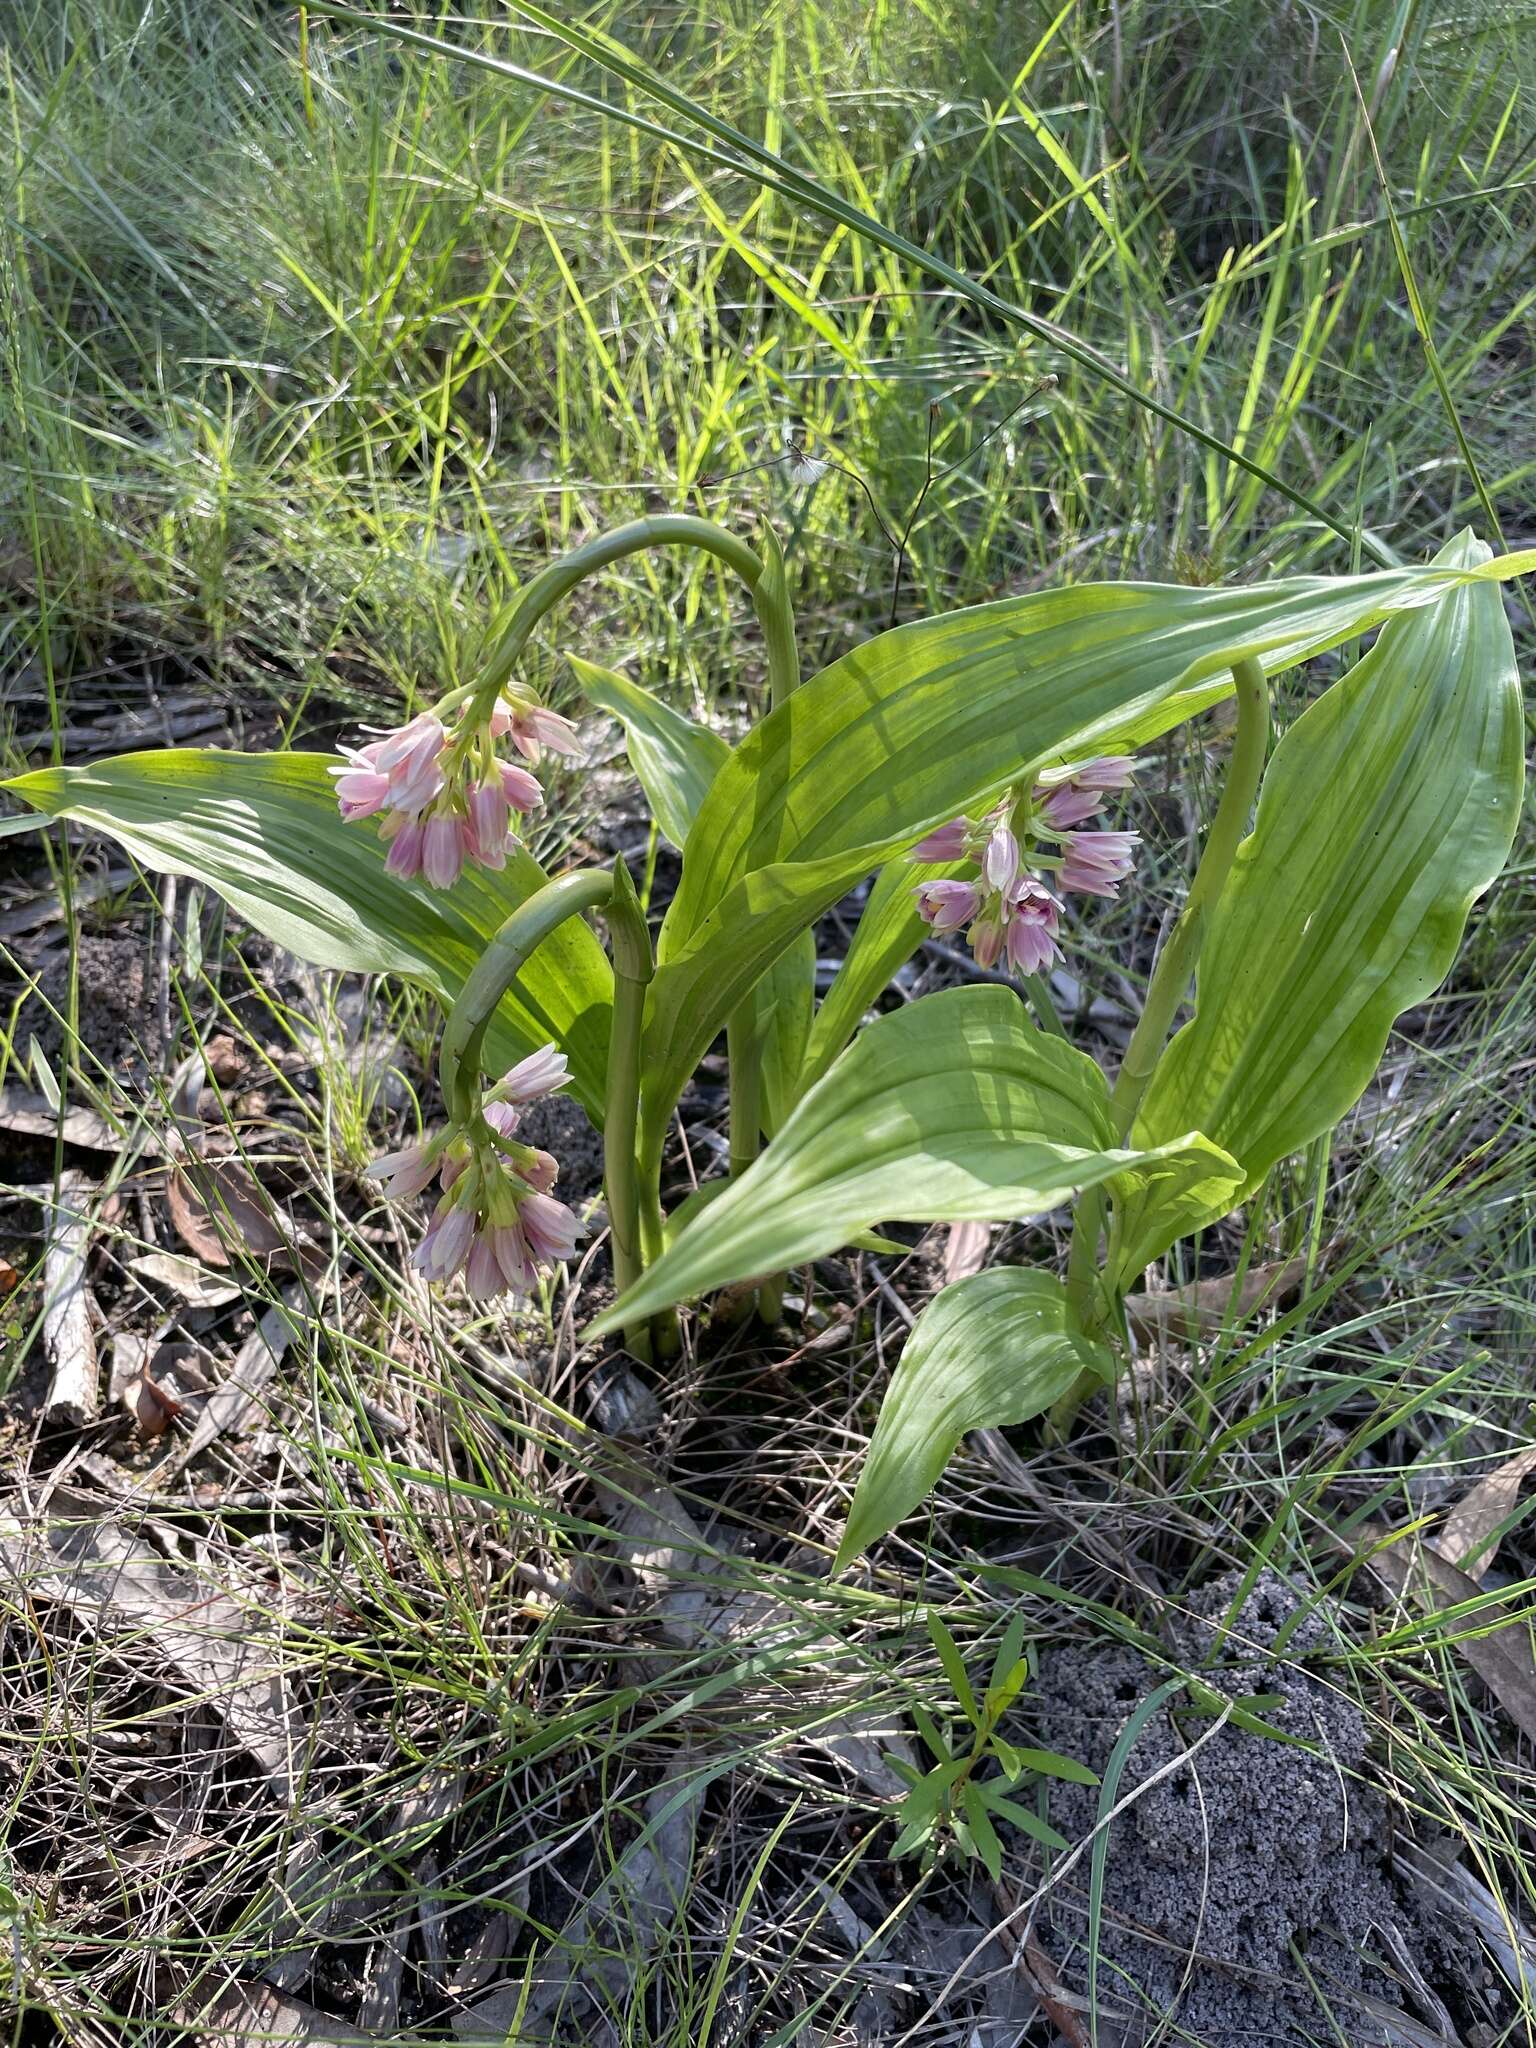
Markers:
point(786, 1002)
point(1025, 1819)
point(263, 830)
point(996, 1348)
point(1388, 808)
point(955, 1107)
point(674, 759)
point(939, 716)
point(887, 935)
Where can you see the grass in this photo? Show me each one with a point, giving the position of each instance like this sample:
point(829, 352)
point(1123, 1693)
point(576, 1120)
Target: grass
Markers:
point(313, 349)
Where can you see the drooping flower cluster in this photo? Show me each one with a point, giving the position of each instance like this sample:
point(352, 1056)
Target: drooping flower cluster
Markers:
point(444, 796)
point(1029, 853)
point(497, 1221)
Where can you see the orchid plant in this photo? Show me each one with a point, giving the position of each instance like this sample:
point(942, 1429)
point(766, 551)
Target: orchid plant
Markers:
point(968, 763)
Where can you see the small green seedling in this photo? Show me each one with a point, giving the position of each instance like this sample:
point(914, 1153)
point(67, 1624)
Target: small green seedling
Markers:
point(951, 1805)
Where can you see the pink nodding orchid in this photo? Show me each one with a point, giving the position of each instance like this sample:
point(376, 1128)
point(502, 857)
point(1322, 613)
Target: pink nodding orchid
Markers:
point(1096, 863)
point(949, 842)
point(442, 849)
point(443, 798)
point(1011, 914)
point(497, 1221)
point(946, 906)
point(1029, 938)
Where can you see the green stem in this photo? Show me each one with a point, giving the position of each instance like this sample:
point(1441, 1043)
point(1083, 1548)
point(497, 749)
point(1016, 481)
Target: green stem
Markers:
point(1176, 963)
point(458, 1059)
point(544, 591)
point(633, 966)
point(1167, 990)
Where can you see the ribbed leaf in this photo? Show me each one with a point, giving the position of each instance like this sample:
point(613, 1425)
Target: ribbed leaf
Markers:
point(887, 935)
point(954, 1107)
point(1388, 808)
point(997, 1348)
point(674, 759)
point(264, 832)
point(938, 716)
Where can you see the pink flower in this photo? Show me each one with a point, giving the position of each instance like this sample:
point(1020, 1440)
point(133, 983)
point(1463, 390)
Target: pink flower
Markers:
point(541, 1073)
point(550, 1228)
point(1000, 862)
point(502, 1117)
point(361, 788)
point(442, 850)
point(1030, 938)
point(405, 849)
point(446, 1242)
point(947, 905)
point(533, 729)
point(514, 1258)
point(521, 790)
point(987, 936)
point(1096, 862)
point(408, 1171)
point(482, 1274)
point(409, 757)
point(1105, 771)
point(487, 826)
point(1070, 805)
point(542, 1173)
point(947, 843)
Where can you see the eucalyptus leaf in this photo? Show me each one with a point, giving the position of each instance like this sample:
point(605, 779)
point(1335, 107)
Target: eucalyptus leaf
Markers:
point(938, 717)
point(263, 831)
point(1388, 807)
point(954, 1107)
point(997, 1348)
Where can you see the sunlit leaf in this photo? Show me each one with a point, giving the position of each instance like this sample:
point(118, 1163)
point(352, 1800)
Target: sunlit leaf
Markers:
point(263, 830)
point(998, 1348)
point(674, 759)
point(939, 716)
point(953, 1107)
point(1388, 808)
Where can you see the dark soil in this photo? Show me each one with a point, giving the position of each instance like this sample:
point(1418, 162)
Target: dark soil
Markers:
point(1238, 1877)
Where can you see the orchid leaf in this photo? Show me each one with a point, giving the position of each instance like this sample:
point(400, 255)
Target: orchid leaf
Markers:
point(955, 1107)
point(263, 831)
point(674, 759)
point(938, 717)
point(1388, 807)
point(996, 1348)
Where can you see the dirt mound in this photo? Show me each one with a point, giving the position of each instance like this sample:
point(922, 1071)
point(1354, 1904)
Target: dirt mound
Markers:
point(1247, 1892)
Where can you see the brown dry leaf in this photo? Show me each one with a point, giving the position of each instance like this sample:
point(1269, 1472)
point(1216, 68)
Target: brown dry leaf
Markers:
point(245, 2013)
point(27, 1115)
point(213, 1201)
point(10, 1279)
point(184, 1277)
point(1500, 1654)
point(69, 1340)
point(116, 1584)
point(239, 1399)
point(151, 1406)
point(965, 1249)
point(1191, 1312)
point(1490, 1503)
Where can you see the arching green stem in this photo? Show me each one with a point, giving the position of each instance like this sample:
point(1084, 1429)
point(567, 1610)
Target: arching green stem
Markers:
point(1168, 988)
point(459, 1058)
point(544, 591)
